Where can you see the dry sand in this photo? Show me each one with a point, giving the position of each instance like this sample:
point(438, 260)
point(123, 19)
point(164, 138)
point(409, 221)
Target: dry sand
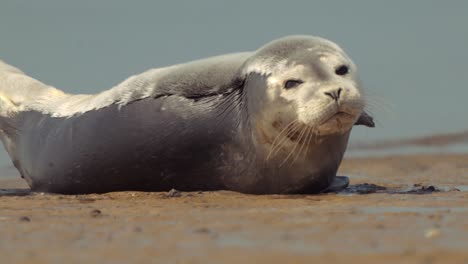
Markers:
point(396, 225)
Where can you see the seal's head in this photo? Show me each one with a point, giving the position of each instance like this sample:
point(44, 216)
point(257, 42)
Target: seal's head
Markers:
point(304, 96)
point(311, 81)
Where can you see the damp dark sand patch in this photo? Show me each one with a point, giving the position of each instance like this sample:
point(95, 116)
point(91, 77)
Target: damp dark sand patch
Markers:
point(367, 188)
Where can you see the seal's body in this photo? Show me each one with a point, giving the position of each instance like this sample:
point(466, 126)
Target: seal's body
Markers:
point(273, 121)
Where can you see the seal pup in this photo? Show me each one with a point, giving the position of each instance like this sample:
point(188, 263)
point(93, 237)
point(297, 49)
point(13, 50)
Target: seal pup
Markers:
point(276, 120)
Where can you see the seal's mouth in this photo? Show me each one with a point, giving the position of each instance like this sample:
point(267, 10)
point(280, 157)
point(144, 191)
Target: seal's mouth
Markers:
point(340, 115)
point(339, 122)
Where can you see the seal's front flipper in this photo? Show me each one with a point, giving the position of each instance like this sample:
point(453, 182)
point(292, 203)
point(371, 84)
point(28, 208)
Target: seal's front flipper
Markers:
point(338, 184)
point(366, 120)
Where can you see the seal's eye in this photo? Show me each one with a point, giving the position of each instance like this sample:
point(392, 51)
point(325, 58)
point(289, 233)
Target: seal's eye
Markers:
point(292, 84)
point(342, 70)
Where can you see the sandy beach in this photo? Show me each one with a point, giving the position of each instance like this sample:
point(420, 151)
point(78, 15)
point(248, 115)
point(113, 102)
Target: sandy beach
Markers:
point(399, 208)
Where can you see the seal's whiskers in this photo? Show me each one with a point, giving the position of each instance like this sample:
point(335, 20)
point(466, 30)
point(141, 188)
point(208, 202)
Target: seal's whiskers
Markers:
point(303, 143)
point(293, 132)
point(379, 104)
point(311, 135)
point(317, 137)
point(301, 134)
point(278, 141)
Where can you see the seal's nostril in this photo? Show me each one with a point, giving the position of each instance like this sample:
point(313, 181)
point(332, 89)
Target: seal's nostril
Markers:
point(335, 95)
point(330, 94)
point(339, 92)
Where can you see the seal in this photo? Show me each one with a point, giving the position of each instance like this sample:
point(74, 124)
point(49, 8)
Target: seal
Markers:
point(276, 120)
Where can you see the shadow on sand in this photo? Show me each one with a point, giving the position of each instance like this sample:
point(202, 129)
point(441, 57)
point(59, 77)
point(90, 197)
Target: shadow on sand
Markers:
point(364, 188)
point(14, 192)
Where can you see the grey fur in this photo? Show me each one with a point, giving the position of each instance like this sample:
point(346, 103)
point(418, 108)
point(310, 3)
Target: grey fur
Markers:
point(203, 125)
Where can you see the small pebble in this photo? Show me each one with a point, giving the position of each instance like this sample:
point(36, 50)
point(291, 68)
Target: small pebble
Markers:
point(380, 226)
point(96, 213)
point(174, 193)
point(25, 219)
point(432, 233)
point(429, 189)
point(203, 230)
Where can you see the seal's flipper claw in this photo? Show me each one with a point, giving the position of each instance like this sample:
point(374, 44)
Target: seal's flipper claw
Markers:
point(338, 184)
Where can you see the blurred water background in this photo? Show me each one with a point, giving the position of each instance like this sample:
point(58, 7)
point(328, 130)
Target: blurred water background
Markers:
point(412, 55)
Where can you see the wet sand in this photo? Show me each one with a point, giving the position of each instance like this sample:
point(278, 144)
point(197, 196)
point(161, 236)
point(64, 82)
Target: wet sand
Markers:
point(420, 215)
